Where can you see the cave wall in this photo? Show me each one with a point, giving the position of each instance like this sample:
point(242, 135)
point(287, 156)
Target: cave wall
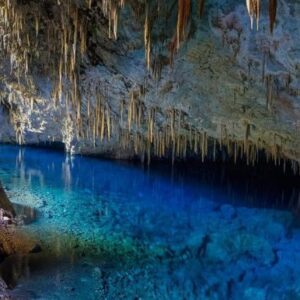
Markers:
point(226, 83)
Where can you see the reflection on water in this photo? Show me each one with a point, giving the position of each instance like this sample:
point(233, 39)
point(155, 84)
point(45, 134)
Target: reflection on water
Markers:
point(264, 187)
point(100, 223)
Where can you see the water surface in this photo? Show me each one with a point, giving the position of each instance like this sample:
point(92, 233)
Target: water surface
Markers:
point(112, 230)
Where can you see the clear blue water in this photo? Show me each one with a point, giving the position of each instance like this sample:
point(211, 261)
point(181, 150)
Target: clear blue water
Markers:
point(110, 230)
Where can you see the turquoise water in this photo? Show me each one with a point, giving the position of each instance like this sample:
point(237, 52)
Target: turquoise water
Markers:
point(110, 230)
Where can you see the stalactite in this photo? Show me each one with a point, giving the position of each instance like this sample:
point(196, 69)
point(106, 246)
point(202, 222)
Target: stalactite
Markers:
point(173, 125)
point(221, 137)
point(201, 7)
point(115, 22)
point(246, 140)
point(102, 124)
point(272, 13)
point(263, 66)
point(177, 143)
point(151, 125)
point(269, 86)
point(140, 112)
point(196, 143)
point(148, 152)
point(184, 10)
point(89, 3)
point(235, 152)
point(253, 7)
point(130, 112)
point(108, 122)
point(147, 38)
point(203, 146)
point(214, 150)
point(121, 111)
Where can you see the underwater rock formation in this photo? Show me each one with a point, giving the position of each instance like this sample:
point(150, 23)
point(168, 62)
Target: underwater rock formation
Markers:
point(152, 78)
point(13, 242)
point(5, 204)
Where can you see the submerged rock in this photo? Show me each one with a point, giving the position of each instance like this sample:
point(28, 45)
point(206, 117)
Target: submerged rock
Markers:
point(228, 247)
point(14, 241)
point(5, 203)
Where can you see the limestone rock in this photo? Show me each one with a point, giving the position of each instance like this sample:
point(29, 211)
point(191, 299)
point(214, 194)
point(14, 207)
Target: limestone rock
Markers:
point(225, 80)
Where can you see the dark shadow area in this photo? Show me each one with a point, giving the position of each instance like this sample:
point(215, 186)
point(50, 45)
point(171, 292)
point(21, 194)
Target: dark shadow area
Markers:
point(262, 186)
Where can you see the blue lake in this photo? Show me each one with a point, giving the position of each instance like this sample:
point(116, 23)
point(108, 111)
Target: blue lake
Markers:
point(115, 230)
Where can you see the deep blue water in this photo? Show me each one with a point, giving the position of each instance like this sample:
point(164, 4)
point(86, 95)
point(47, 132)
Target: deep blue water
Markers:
point(112, 230)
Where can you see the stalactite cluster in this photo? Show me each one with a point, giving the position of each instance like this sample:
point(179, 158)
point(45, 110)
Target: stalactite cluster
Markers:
point(254, 6)
point(57, 34)
point(52, 38)
point(13, 114)
point(152, 132)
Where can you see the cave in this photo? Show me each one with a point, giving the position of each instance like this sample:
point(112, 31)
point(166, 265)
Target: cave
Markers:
point(150, 149)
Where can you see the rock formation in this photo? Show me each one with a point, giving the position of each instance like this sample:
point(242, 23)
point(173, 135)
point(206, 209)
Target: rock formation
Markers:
point(153, 78)
point(5, 204)
point(14, 241)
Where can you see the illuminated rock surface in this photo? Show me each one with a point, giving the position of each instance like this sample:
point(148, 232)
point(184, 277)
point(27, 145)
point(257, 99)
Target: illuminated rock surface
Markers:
point(228, 82)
